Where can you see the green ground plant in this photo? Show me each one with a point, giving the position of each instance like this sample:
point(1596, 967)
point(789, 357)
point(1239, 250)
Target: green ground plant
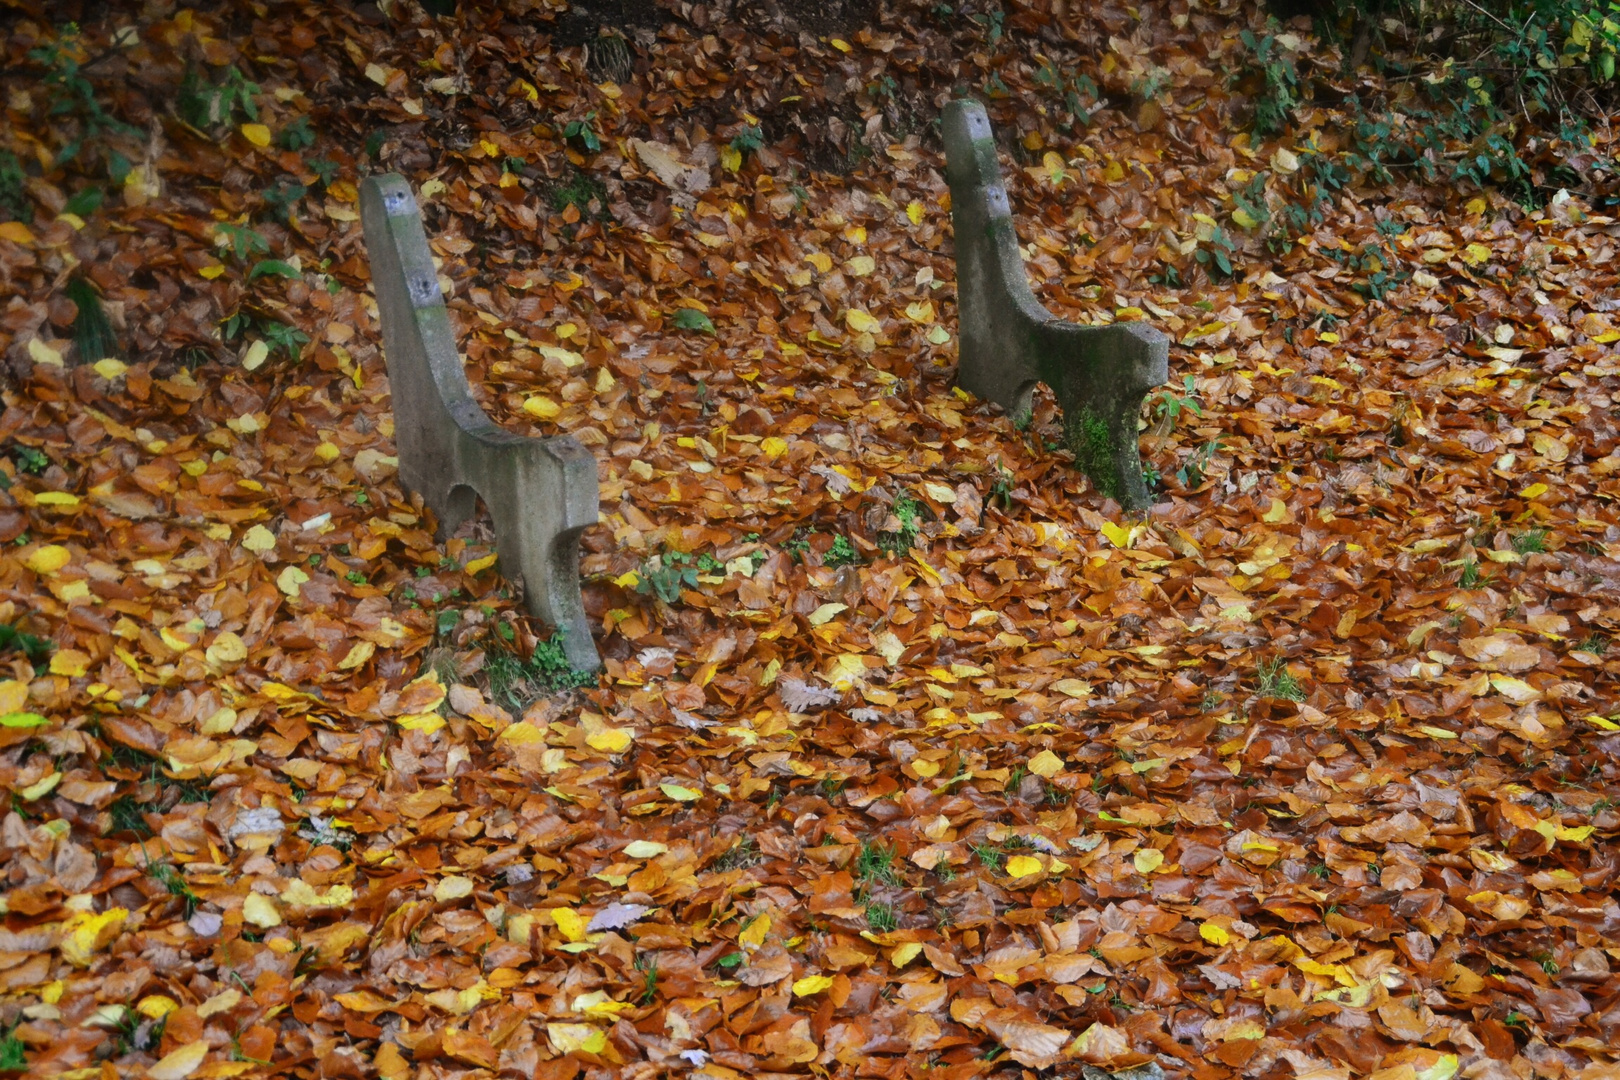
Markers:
point(515, 681)
point(1276, 681)
point(908, 512)
point(14, 202)
point(842, 553)
point(209, 106)
point(90, 129)
point(93, 334)
point(666, 575)
point(13, 1052)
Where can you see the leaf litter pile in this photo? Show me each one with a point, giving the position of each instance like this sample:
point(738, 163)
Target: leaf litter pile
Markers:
point(911, 756)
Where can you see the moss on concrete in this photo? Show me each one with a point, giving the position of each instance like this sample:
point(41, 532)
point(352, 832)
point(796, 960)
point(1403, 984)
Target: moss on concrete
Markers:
point(1086, 435)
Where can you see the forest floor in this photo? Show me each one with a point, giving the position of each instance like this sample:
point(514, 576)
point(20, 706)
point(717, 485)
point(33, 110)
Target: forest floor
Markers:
point(912, 755)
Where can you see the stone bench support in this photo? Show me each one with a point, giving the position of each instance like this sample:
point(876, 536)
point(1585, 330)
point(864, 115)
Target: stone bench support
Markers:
point(542, 493)
point(1009, 342)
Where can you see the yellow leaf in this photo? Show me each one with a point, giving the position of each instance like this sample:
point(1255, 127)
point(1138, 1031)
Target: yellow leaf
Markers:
point(921, 312)
point(939, 336)
point(611, 740)
point(14, 695)
point(1215, 935)
point(1515, 690)
point(41, 353)
point(301, 893)
point(566, 357)
point(260, 910)
point(259, 540)
point(860, 322)
point(453, 887)
point(16, 232)
point(598, 1005)
point(840, 44)
point(108, 368)
point(825, 613)
point(1147, 860)
point(1534, 491)
point(645, 849)
point(1436, 732)
point(48, 559)
point(855, 234)
point(70, 662)
point(1244, 218)
point(227, 648)
point(368, 1002)
point(811, 984)
point(257, 134)
point(1277, 513)
point(753, 934)
point(156, 1006)
point(1476, 254)
point(40, 789)
point(57, 498)
point(523, 733)
point(478, 566)
point(820, 260)
point(1446, 1067)
point(774, 447)
point(290, 580)
point(1021, 866)
point(179, 1064)
point(358, 654)
point(1073, 688)
point(1122, 536)
point(1046, 764)
point(542, 407)
point(568, 1038)
point(1606, 725)
point(229, 998)
point(861, 265)
point(569, 923)
point(86, 933)
point(904, 954)
point(255, 355)
point(679, 793)
point(914, 211)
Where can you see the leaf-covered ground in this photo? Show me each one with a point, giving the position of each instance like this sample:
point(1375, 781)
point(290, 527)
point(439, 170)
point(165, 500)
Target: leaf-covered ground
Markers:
point(912, 756)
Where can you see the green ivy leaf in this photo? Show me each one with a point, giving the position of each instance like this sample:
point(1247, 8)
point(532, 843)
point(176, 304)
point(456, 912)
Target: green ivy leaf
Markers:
point(23, 720)
point(272, 266)
point(692, 319)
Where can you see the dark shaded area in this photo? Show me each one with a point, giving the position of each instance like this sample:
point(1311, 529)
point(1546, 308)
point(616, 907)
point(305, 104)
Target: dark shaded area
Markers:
point(582, 24)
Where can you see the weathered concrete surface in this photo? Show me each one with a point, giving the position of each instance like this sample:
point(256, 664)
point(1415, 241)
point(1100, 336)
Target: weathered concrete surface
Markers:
point(542, 493)
point(1009, 342)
